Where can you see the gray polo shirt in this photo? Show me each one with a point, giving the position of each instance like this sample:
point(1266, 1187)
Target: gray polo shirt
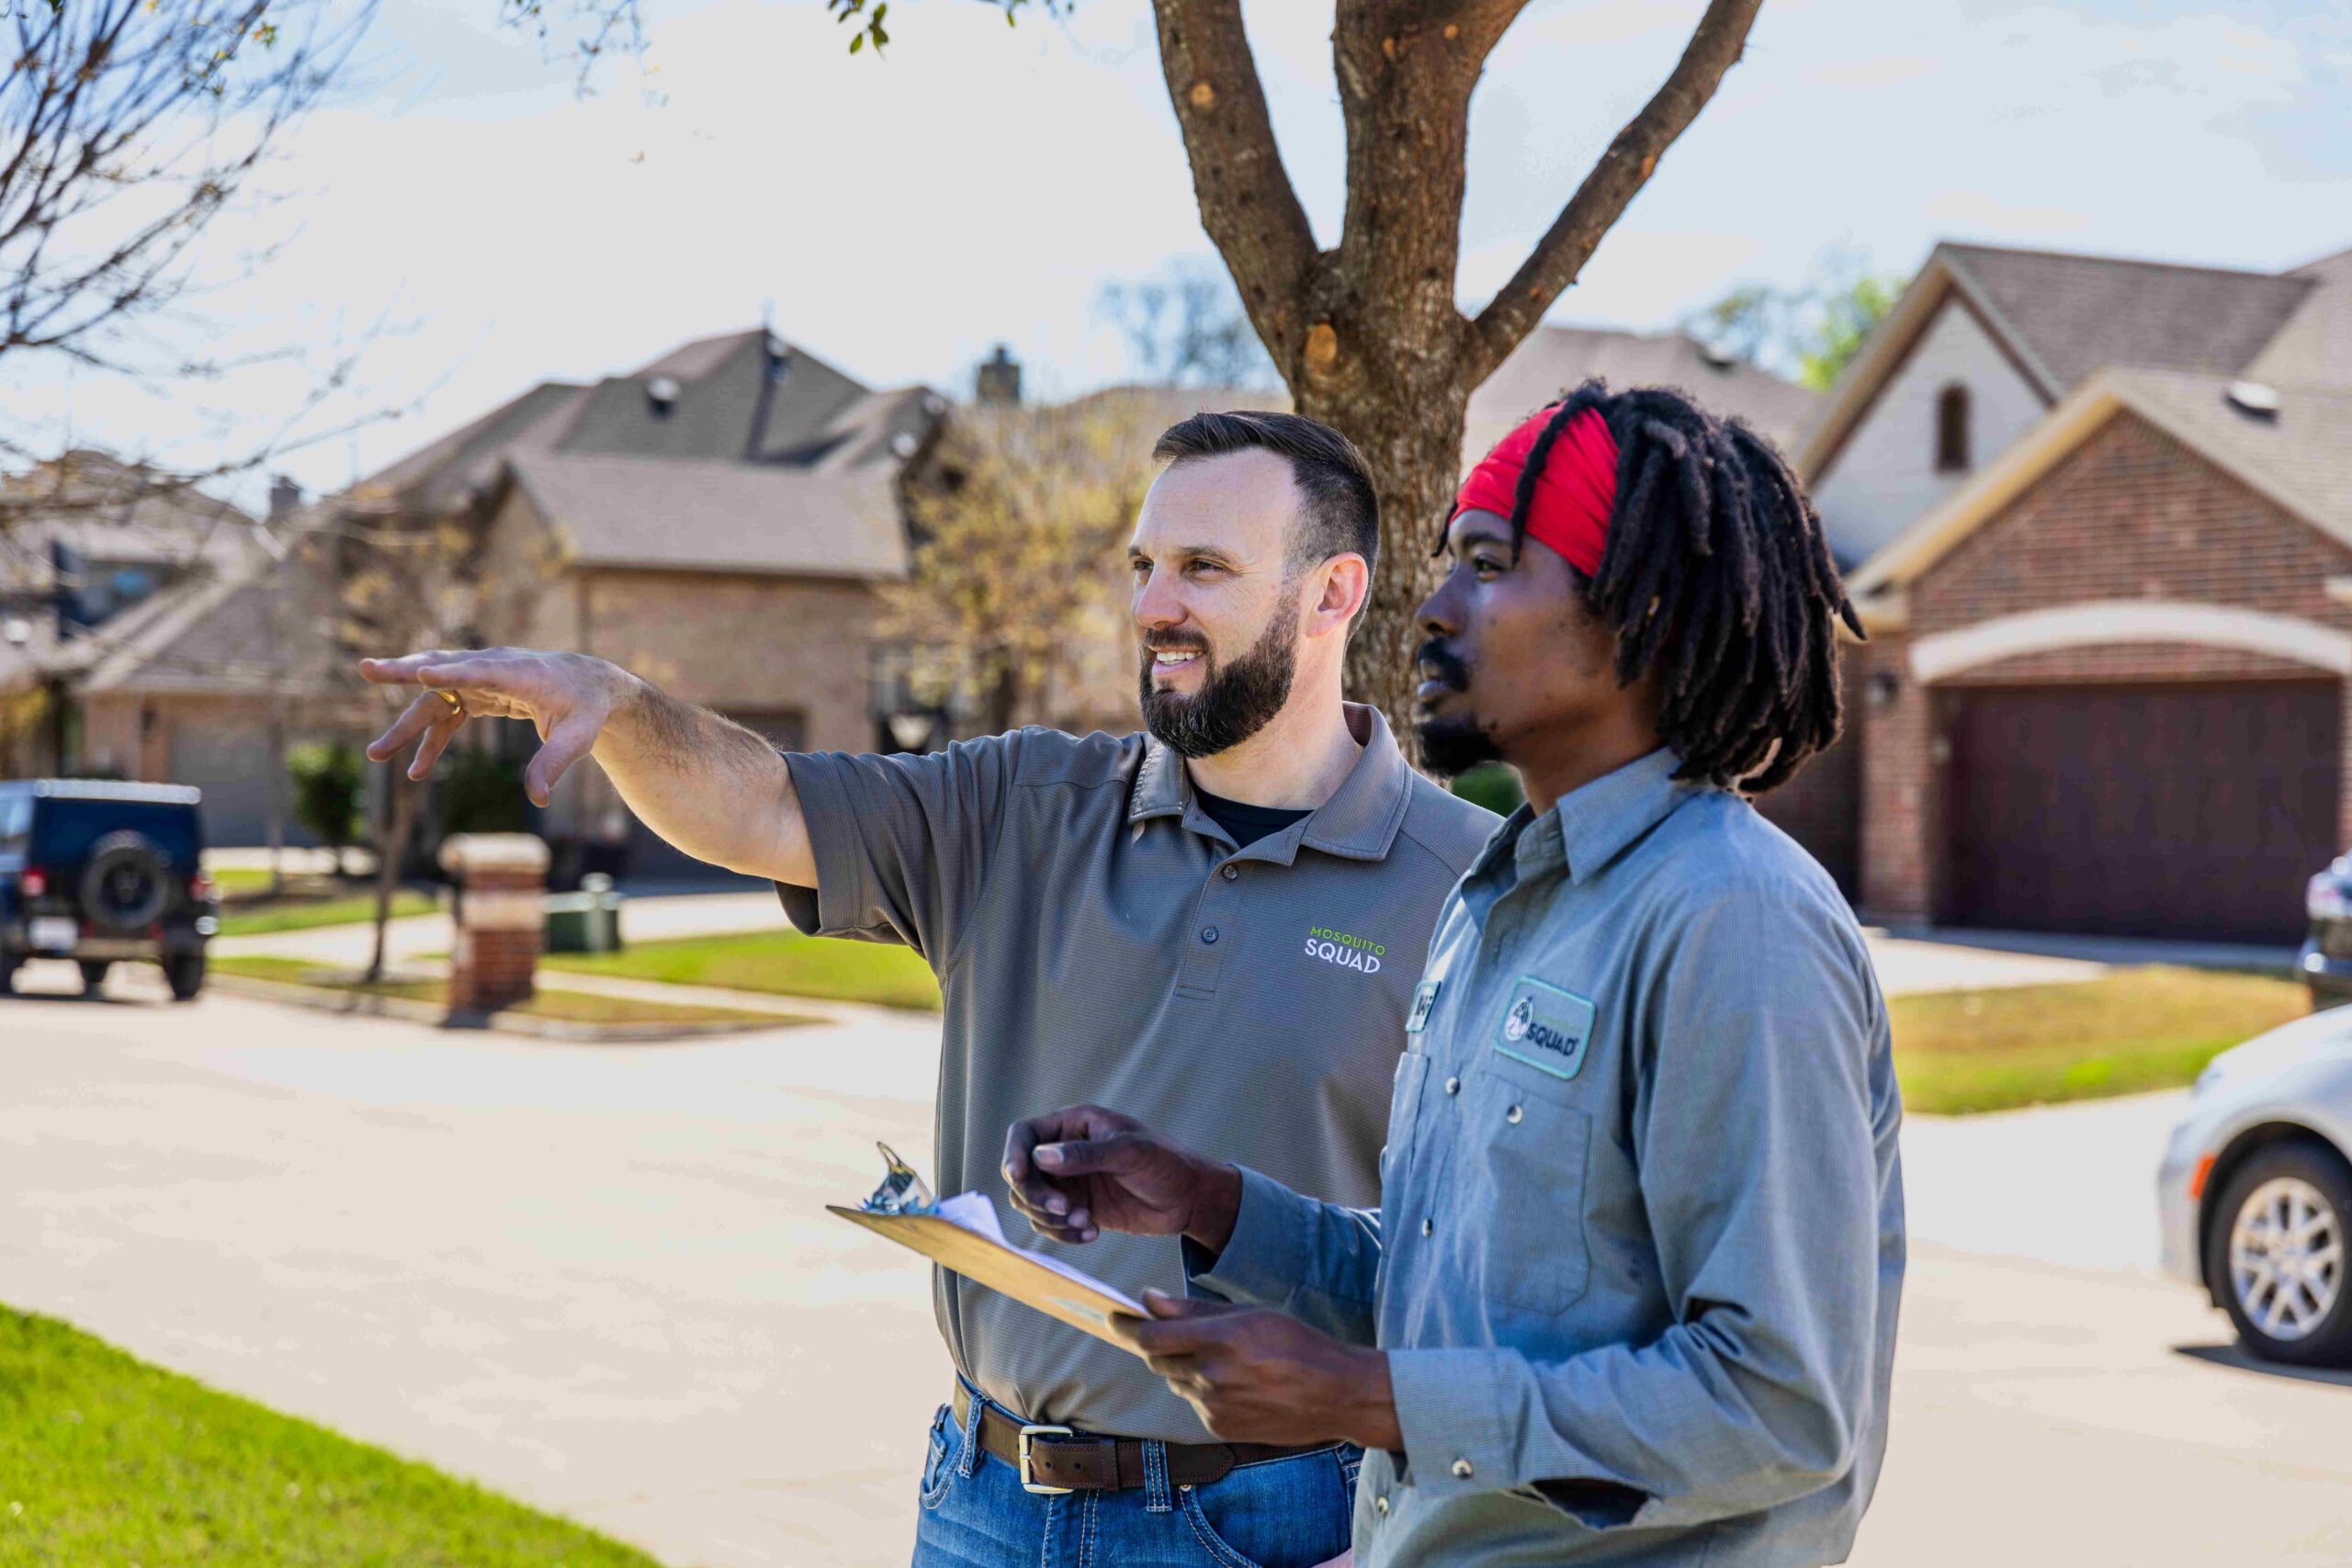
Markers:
point(1098, 937)
point(1641, 1238)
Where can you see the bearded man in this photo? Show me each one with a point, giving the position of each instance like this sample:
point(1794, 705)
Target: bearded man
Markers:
point(1217, 923)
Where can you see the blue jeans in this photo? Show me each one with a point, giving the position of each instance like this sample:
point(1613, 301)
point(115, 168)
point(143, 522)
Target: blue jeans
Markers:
point(1284, 1513)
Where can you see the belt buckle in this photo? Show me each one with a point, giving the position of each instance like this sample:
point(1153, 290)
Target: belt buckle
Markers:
point(1036, 1487)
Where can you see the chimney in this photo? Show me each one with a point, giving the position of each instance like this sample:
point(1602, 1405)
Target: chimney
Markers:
point(284, 497)
point(998, 383)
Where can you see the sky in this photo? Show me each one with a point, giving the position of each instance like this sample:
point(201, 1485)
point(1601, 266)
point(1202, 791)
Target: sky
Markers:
point(460, 211)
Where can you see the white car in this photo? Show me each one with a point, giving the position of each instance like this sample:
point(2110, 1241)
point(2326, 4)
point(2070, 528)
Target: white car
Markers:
point(2255, 1190)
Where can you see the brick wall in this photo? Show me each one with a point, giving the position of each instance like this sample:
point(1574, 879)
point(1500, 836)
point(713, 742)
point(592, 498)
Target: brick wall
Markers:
point(2134, 515)
point(2131, 515)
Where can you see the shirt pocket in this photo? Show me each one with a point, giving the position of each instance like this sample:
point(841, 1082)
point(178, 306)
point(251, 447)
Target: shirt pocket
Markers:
point(1526, 1154)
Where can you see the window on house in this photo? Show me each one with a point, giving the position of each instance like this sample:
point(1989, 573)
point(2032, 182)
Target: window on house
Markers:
point(1951, 429)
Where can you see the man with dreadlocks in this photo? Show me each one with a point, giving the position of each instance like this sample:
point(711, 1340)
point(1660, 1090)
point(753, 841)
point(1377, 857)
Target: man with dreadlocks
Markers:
point(1630, 1295)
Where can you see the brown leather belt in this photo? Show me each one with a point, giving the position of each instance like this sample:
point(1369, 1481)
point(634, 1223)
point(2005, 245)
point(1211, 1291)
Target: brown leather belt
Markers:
point(1054, 1458)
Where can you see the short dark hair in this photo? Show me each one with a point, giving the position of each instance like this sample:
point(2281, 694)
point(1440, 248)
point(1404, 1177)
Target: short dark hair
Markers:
point(1338, 510)
point(1716, 575)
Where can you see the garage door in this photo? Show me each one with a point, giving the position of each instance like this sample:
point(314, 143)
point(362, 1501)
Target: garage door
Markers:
point(230, 765)
point(2173, 811)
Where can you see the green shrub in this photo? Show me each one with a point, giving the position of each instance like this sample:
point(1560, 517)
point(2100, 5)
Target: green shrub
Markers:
point(329, 781)
point(482, 791)
point(1494, 785)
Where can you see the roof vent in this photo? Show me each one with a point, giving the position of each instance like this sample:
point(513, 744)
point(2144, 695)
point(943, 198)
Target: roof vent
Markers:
point(2254, 400)
point(1717, 356)
point(661, 395)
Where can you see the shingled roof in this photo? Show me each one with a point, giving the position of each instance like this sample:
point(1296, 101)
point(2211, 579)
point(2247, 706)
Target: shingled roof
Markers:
point(2061, 318)
point(683, 461)
point(664, 514)
point(1556, 360)
point(2072, 314)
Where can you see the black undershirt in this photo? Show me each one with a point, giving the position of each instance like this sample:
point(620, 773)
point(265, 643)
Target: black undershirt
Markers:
point(1248, 824)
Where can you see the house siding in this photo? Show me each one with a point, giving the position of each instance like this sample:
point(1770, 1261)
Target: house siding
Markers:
point(1883, 478)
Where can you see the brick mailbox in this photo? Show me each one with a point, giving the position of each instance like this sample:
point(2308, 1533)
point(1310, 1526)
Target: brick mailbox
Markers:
point(500, 919)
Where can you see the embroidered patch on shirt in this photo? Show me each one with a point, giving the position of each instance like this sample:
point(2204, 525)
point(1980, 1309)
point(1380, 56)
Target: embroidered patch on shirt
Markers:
point(1546, 1028)
point(1424, 998)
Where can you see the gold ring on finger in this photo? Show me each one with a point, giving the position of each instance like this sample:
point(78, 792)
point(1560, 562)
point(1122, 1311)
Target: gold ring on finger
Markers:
point(456, 703)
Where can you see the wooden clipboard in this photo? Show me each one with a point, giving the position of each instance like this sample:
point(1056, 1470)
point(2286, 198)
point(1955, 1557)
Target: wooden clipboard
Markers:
point(1001, 1267)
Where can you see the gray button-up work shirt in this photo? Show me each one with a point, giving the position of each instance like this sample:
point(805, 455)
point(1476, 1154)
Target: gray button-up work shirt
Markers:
point(1098, 937)
point(1641, 1236)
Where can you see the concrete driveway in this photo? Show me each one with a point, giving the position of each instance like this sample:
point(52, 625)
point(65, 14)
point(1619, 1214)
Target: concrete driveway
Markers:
point(599, 1279)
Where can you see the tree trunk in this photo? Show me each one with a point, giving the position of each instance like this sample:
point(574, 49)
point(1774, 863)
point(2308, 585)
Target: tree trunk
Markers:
point(1414, 444)
point(391, 850)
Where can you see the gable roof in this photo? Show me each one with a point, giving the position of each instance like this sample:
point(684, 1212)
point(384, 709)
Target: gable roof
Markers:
point(744, 397)
point(666, 514)
point(2060, 317)
point(1553, 360)
point(2300, 458)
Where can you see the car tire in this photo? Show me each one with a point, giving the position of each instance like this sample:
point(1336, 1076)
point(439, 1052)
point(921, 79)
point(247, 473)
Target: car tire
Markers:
point(2277, 1251)
point(8, 962)
point(94, 975)
point(186, 972)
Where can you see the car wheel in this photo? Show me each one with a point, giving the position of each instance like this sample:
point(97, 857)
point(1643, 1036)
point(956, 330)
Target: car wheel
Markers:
point(8, 962)
point(186, 972)
point(94, 975)
point(2278, 1249)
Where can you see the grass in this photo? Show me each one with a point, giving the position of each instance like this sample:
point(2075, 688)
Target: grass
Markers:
point(261, 918)
point(106, 1460)
point(573, 1007)
point(784, 963)
point(2126, 1032)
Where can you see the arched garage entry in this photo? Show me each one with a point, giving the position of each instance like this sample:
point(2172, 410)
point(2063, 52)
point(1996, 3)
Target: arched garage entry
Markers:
point(2191, 810)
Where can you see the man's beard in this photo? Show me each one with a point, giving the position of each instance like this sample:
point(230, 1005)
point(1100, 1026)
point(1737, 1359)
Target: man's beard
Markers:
point(1235, 701)
point(1454, 744)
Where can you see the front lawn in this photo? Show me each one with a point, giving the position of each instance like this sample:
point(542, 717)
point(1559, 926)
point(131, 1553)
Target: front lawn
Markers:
point(2130, 1032)
point(572, 1006)
point(106, 1460)
point(263, 917)
point(784, 963)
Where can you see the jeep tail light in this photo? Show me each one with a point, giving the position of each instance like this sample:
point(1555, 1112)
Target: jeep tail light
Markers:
point(35, 882)
point(201, 889)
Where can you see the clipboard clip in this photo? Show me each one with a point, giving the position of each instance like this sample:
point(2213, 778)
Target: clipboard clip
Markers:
point(901, 1192)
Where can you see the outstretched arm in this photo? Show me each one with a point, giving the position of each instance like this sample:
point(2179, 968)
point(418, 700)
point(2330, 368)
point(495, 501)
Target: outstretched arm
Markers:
point(706, 784)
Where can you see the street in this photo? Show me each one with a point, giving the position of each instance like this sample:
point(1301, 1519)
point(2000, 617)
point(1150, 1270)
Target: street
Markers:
point(600, 1279)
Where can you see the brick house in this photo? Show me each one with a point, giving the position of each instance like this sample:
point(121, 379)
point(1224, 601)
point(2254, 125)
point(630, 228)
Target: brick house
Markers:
point(2098, 517)
point(149, 631)
point(718, 520)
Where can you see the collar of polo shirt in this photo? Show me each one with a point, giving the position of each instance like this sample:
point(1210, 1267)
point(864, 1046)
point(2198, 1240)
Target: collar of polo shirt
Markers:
point(1593, 824)
point(1358, 822)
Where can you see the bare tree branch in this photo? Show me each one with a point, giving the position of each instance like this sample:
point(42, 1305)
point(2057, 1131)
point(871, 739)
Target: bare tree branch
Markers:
point(1715, 46)
point(1247, 205)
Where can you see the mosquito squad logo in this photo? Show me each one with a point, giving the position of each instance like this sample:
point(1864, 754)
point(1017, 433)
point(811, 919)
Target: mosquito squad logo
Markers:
point(1546, 1028)
point(1345, 949)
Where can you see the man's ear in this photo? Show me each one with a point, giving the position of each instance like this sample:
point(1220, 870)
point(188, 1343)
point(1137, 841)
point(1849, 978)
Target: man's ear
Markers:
point(1345, 582)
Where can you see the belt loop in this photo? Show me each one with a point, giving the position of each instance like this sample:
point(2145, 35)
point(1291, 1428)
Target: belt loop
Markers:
point(1158, 1498)
point(976, 1405)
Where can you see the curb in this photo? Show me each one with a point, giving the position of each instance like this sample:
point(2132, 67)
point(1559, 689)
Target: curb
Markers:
point(320, 998)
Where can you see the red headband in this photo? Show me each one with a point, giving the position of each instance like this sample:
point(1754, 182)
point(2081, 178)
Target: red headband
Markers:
point(1574, 493)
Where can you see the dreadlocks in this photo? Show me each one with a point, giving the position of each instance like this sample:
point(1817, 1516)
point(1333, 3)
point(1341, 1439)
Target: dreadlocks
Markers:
point(1715, 574)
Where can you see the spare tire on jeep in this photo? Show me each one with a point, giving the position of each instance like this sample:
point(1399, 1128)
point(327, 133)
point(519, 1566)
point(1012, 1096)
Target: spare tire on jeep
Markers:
point(124, 887)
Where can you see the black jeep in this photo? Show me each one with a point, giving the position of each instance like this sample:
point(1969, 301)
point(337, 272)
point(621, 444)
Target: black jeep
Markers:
point(97, 872)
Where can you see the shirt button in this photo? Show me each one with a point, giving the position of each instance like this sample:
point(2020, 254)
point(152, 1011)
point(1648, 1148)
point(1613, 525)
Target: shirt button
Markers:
point(1232, 872)
point(1428, 1225)
point(1461, 1469)
point(1380, 1505)
point(1453, 1085)
point(1208, 934)
point(1513, 1116)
